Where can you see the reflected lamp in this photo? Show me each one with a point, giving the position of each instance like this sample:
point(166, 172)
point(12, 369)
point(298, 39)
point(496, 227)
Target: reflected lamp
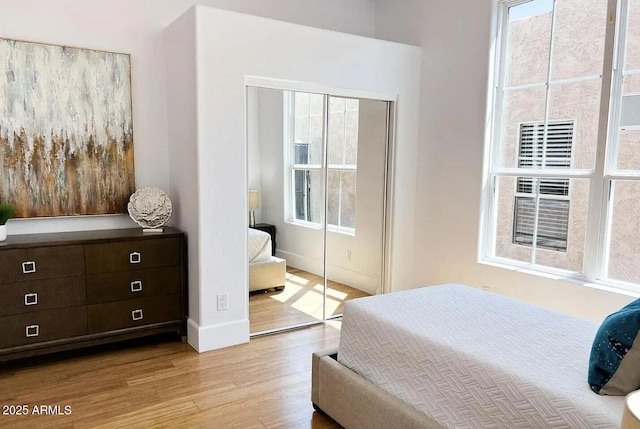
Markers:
point(254, 203)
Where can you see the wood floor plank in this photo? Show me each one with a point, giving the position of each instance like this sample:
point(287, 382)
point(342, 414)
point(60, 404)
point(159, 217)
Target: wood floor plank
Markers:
point(154, 416)
point(264, 384)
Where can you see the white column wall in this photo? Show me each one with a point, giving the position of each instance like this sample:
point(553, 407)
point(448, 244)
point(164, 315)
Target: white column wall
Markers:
point(232, 46)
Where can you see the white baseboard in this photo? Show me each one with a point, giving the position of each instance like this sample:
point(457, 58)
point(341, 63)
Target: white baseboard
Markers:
point(212, 337)
point(309, 265)
point(341, 275)
point(354, 279)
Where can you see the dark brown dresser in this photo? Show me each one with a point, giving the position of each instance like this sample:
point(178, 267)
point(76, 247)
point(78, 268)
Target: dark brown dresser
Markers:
point(69, 290)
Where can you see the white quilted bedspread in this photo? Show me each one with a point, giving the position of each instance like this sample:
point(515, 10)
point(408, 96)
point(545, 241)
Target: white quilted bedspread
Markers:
point(259, 245)
point(474, 359)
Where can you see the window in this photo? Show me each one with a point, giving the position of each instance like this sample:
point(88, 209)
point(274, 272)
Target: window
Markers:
point(536, 149)
point(563, 182)
point(342, 163)
point(307, 142)
point(302, 183)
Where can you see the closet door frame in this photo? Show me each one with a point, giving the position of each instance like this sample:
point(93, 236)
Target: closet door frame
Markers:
point(327, 92)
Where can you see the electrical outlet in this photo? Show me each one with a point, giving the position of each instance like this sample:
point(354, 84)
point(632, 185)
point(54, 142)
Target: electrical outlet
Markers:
point(348, 255)
point(223, 303)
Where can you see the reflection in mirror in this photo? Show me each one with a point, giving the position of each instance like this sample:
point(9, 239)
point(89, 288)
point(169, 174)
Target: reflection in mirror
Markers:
point(356, 174)
point(313, 157)
point(286, 281)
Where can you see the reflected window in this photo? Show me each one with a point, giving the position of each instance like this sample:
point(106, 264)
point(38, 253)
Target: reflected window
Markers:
point(302, 184)
point(313, 150)
point(343, 162)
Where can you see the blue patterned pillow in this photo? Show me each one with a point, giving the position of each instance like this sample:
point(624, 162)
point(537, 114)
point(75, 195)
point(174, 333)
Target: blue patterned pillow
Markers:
point(614, 365)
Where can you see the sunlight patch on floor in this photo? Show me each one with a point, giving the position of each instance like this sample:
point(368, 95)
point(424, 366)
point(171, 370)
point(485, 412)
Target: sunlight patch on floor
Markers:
point(299, 302)
point(310, 303)
point(332, 306)
point(287, 293)
point(296, 279)
point(331, 292)
point(334, 323)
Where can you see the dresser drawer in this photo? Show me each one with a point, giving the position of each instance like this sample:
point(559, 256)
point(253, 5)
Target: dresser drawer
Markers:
point(39, 295)
point(123, 285)
point(41, 263)
point(42, 326)
point(134, 312)
point(127, 255)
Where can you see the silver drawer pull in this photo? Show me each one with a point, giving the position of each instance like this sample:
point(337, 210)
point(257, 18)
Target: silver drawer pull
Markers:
point(134, 258)
point(30, 298)
point(32, 330)
point(136, 286)
point(28, 267)
point(137, 314)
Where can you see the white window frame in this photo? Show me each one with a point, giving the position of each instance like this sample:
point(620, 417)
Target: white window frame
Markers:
point(306, 201)
point(340, 168)
point(289, 141)
point(339, 228)
point(601, 176)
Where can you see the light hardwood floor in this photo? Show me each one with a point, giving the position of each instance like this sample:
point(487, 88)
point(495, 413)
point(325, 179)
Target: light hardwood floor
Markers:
point(262, 384)
point(299, 302)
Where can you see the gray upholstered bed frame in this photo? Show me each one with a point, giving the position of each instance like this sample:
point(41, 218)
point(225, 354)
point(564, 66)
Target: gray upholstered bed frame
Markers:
point(356, 403)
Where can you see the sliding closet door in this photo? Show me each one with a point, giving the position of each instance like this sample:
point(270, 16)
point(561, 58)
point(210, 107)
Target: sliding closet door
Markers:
point(317, 175)
point(356, 177)
point(286, 149)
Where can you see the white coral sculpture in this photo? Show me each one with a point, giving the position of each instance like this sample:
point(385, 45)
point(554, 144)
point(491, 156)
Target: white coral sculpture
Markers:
point(150, 207)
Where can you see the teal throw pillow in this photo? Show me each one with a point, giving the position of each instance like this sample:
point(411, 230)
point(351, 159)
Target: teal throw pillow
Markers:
point(614, 364)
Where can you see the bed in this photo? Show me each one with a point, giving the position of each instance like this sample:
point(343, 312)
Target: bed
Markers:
point(265, 270)
point(452, 356)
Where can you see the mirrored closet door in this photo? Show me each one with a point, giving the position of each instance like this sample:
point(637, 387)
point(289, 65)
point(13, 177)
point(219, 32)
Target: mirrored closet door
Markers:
point(356, 178)
point(317, 169)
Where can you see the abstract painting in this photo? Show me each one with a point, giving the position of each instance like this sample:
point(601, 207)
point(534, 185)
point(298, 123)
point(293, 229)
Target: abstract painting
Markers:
point(66, 131)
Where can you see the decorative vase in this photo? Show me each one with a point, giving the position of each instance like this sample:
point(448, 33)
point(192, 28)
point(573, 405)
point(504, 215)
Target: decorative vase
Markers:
point(3, 232)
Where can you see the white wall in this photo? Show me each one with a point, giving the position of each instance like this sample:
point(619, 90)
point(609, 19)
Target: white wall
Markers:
point(184, 153)
point(135, 27)
point(266, 158)
point(456, 42)
point(230, 48)
point(254, 155)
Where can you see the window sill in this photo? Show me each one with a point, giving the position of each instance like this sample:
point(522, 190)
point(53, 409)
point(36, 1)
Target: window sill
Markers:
point(568, 277)
point(351, 233)
point(319, 227)
point(309, 225)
